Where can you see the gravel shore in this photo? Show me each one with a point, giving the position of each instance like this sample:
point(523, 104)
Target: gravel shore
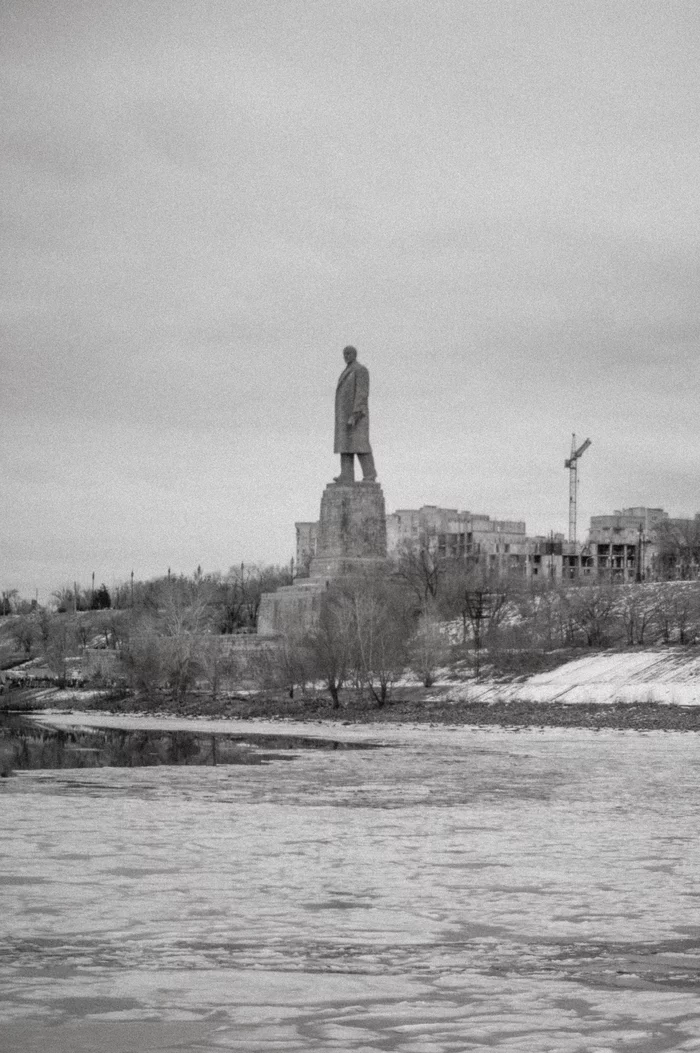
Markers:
point(640, 716)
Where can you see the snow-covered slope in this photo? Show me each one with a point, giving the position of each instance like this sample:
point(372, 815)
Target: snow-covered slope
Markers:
point(669, 675)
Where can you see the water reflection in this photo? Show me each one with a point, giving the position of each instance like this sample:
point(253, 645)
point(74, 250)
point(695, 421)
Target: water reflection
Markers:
point(25, 745)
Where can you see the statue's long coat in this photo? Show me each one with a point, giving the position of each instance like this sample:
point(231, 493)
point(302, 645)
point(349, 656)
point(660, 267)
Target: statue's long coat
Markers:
point(351, 397)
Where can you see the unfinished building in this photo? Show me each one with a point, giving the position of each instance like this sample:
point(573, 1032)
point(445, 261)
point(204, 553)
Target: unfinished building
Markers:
point(501, 546)
point(631, 544)
point(641, 544)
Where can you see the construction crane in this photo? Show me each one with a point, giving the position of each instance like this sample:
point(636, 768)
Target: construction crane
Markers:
point(572, 464)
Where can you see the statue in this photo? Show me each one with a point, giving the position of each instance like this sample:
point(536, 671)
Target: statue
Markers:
point(352, 421)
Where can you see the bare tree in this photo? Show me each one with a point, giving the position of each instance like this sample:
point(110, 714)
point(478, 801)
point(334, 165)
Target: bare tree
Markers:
point(163, 647)
point(420, 566)
point(116, 629)
point(686, 611)
point(541, 606)
point(285, 665)
point(330, 643)
point(382, 623)
point(636, 609)
point(24, 633)
point(60, 647)
point(183, 626)
point(663, 618)
point(83, 632)
point(144, 659)
point(678, 545)
point(44, 627)
point(481, 600)
point(65, 599)
point(213, 663)
point(429, 648)
point(8, 600)
point(593, 611)
point(677, 611)
point(242, 590)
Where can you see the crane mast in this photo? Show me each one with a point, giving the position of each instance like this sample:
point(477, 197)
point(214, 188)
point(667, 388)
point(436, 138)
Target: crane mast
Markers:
point(572, 464)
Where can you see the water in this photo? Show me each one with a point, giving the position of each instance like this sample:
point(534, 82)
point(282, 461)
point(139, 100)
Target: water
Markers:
point(453, 890)
point(26, 746)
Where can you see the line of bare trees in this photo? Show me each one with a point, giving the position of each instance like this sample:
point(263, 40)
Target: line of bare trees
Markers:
point(364, 638)
point(232, 599)
point(162, 633)
point(371, 631)
point(419, 614)
point(492, 609)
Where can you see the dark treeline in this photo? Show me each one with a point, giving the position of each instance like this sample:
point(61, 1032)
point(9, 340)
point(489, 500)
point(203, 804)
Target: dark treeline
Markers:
point(147, 633)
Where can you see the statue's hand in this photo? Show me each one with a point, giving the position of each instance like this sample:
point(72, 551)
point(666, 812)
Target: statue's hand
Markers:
point(352, 421)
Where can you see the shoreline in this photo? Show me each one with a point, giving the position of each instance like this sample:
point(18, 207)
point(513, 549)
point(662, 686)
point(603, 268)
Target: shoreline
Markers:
point(507, 716)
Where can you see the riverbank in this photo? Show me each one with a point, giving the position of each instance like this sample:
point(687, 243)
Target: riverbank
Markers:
point(642, 689)
point(644, 716)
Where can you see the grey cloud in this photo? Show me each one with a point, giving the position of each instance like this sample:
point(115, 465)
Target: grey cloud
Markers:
point(497, 202)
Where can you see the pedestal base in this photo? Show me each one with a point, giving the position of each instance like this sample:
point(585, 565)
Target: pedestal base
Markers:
point(351, 530)
point(351, 540)
point(292, 609)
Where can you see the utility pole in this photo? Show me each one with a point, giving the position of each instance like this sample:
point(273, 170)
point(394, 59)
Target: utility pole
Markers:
point(551, 554)
point(572, 464)
point(640, 555)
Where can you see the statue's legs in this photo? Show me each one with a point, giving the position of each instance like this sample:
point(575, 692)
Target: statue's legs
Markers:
point(369, 472)
point(347, 470)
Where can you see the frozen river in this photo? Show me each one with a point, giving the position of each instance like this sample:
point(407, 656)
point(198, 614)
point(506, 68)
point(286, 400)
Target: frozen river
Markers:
point(454, 890)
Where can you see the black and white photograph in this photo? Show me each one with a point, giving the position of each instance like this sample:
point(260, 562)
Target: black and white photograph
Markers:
point(350, 526)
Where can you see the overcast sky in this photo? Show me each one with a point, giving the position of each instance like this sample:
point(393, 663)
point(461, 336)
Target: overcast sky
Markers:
point(497, 202)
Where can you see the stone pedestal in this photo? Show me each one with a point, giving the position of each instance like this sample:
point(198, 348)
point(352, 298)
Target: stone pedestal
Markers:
point(351, 539)
point(351, 530)
point(292, 609)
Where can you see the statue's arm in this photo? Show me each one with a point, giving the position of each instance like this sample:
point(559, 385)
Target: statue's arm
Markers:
point(359, 406)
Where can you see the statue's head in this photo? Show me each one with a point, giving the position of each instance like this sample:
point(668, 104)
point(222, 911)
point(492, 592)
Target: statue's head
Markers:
point(349, 354)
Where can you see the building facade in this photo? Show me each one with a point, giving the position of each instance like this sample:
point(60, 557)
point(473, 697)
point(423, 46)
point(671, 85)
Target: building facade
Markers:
point(631, 544)
point(500, 544)
point(642, 544)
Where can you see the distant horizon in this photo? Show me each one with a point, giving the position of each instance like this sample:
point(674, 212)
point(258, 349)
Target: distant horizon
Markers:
point(113, 581)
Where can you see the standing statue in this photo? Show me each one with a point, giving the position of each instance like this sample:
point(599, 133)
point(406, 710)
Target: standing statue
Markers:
point(352, 421)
